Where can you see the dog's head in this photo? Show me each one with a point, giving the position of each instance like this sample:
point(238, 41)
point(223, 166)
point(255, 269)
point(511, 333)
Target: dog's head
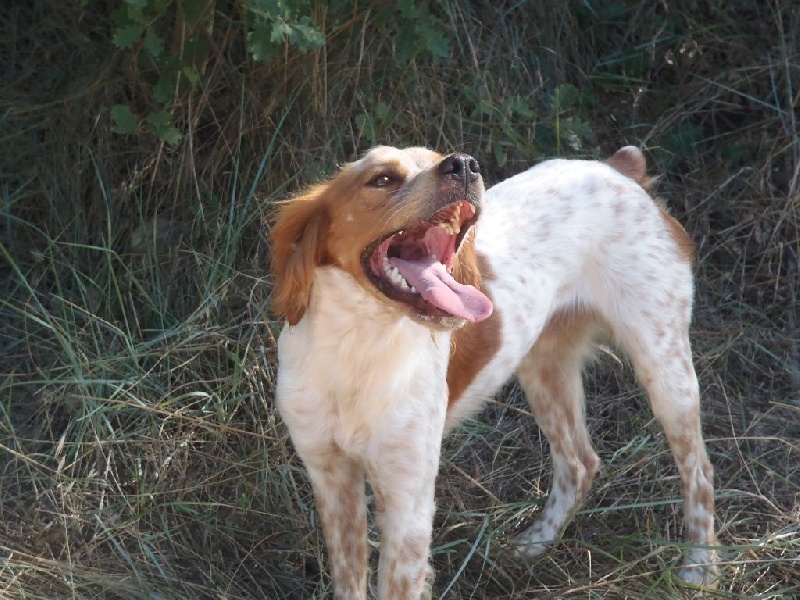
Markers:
point(399, 222)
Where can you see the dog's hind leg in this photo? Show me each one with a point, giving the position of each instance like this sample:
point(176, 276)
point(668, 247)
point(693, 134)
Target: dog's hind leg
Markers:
point(662, 359)
point(550, 375)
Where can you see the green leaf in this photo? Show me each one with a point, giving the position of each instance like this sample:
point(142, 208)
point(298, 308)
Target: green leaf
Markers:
point(384, 112)
point(408, 9)
point(127, 35)
point(405, 43)
point(366, 126)
point(153, 42)
point(580, 128)
point(124, 121)
point(270, 8)
point(733, 153)
point(190, 72)
point(171, 135)
point(682, 139)
point(306, 37)
point(564, 96)
point(258, 41)
point(522, 107)
point(280, 31)
point(158, 119)
point(134, 9)
point(435, 41)
point(164, 87)
point(160, 123)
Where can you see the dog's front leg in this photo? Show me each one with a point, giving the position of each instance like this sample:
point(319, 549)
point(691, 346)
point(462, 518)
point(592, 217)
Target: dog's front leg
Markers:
point(402, 472)
point(404, 507)
point(338, 483)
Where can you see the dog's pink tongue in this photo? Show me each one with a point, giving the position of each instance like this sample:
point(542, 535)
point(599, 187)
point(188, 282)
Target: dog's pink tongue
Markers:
point(437, 286)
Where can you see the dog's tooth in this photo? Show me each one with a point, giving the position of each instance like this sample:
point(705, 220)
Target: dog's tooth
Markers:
point(395, 276)
point(413, 289)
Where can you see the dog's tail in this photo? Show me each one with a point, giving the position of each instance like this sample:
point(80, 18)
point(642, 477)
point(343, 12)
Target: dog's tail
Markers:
point(630, 161)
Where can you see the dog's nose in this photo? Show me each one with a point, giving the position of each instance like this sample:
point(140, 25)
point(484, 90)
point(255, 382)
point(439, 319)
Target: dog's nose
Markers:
point(460, 166)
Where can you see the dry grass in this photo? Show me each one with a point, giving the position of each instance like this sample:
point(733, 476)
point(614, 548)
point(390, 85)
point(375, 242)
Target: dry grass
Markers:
point(140, 453)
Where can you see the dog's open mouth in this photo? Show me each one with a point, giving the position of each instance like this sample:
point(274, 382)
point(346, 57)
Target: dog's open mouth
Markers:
point(414, 266)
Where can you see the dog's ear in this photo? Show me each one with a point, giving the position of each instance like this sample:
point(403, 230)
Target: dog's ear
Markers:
point(465, 266)
point(298, 245)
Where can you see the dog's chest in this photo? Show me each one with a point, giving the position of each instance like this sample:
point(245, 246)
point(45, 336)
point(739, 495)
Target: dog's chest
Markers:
point(357, 376)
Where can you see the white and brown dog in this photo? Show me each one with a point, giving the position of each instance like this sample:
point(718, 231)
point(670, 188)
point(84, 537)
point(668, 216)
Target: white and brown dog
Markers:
point(411, 299)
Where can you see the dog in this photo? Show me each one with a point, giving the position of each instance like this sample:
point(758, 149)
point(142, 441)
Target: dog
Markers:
point(412, 296)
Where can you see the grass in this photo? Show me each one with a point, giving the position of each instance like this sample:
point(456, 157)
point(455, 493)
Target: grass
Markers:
point(140, 452)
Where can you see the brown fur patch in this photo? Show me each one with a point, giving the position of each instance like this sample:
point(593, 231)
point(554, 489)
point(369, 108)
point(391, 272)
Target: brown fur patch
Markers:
point(297, 240)
point(683, 242)
point(567, 329)
point(474, 345)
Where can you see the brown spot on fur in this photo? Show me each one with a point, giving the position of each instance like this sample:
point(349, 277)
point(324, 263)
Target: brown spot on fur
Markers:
point(706, 497)
point(683, 243)
point(568, 328)
point(687, 366)
point(413, 551)
point(473, 346)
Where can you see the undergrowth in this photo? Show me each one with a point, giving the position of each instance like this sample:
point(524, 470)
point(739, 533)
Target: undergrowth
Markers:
point(140, 452)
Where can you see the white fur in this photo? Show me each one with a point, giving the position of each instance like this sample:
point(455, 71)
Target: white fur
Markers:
point(555, 226)
point(340, 383)
point(373, 395)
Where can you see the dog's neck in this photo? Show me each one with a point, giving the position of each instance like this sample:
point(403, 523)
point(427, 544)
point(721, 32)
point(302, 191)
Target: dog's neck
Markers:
point(347, 322)
point(344, 308)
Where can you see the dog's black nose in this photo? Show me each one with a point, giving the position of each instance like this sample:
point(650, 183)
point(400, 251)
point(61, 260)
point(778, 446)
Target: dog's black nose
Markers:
point(460, 166)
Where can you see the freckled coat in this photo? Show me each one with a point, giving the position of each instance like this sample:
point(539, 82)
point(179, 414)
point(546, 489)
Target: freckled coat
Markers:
point(368, 386)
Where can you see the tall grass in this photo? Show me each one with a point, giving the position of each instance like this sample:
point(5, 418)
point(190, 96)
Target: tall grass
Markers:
point(140, 452)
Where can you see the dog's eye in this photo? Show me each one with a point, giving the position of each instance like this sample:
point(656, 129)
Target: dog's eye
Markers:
point(382, 180)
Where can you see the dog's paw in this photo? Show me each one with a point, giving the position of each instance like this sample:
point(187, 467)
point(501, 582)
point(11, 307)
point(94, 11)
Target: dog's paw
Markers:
point(699, 569)
point(427, 591)
point(533, 542)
